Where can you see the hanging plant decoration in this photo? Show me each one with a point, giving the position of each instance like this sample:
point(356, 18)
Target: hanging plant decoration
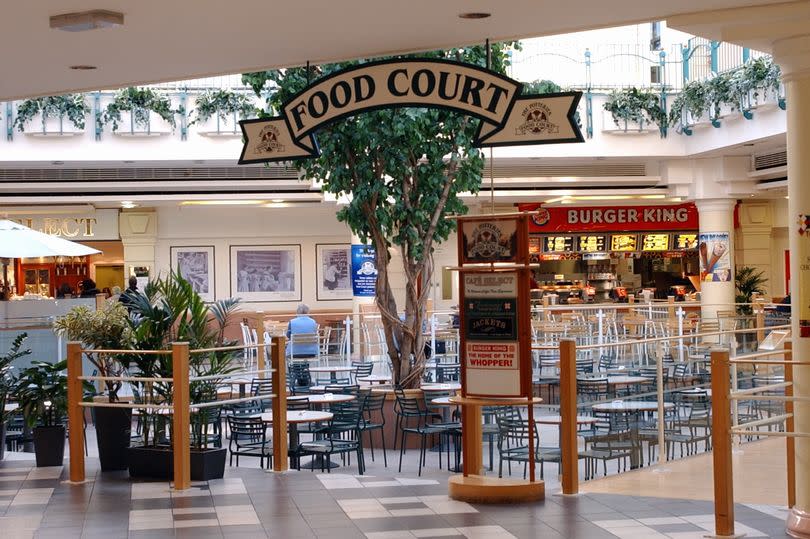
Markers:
point(693, 99)
point(222, 104)
point(139, 102)
point(632, 105)
point(70, 106)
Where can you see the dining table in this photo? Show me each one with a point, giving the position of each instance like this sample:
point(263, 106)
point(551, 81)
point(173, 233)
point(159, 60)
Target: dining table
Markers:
point(295, 418)
point(372, 379)
point(333, 371)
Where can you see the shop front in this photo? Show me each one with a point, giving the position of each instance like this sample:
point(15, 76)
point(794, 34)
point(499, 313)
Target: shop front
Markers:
point(600, 254)
point(51, 277)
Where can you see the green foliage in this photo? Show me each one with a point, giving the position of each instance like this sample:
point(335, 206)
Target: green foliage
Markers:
point(541, 87)
point(404, 169)
point(748, 281)
point(693, 99)
point(222, 103)
point(631, 105)
point(6, 377)
point(42, 393)
point(71, 106)
point(169, 310)
point(138, 102)
point(105, 328)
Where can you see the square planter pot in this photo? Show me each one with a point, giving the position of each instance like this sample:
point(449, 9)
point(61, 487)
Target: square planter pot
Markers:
point(113, 429)
point(49, 445)
point(158, 463)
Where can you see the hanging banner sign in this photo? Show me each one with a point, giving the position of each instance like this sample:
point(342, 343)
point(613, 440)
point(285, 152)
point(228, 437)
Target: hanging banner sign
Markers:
point(364, 271)
point(507, 118)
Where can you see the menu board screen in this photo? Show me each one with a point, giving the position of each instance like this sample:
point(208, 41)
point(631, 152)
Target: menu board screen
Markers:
point(558, 244)
point(534, 245)
point(623, 242)
point(685, 241)
point(591, 244)
point(655, 242)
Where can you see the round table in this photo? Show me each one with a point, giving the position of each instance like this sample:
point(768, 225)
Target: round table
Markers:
point(319, 399)
point(375, 378)
point(557, 420)
point(427, 388)
point(630, 406)
point(626, 380)
point(294, 418)
point(332, 371)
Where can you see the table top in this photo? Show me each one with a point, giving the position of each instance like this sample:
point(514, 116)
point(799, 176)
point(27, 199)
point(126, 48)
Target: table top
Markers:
point(694, 392)
point(321, 388)
point(339, 368)
point(453, 386)
point(324, 398)
point(557, 420)
point(302, 416)
point(375, 378)
point(630, 406)
point(441, 400)
point(624, 379)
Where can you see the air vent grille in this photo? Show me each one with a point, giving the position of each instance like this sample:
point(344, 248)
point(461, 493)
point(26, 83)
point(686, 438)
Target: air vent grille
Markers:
point(770, 160)
point(274, 172)
point(594, 169)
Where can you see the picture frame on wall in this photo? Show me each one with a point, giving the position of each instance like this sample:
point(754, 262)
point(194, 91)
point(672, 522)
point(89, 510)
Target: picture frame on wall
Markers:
point(266, 272)
point(333, 264)
point(196, 265)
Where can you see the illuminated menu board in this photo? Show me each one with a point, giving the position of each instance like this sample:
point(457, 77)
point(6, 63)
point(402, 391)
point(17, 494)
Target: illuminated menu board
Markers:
point(685, 241)
point(623, 242)
point(655, 242)
point(534, 245)
point(558, 244)
point(591, 244)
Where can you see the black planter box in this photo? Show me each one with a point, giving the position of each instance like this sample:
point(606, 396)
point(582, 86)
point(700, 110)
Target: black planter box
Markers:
point(158, 463)
point(2, 441)
point(49, 445)
point(113, 430)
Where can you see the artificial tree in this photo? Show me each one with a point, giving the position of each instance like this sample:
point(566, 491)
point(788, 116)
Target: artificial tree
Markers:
point(402, 170)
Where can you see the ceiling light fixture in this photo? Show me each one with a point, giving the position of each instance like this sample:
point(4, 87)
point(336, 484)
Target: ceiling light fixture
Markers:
point(223, 202)
point(81, 67)
point(83, 21)
point(277, 201)
point(128, 204)
point(474, 15)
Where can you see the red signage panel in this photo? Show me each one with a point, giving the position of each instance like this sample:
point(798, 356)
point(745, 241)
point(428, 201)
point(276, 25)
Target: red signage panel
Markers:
point(611, 218)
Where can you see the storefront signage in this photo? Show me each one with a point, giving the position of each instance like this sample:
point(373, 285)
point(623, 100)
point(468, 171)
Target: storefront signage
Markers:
point(364, 271)
point(655, 242)
point(489, 241)
point(591, 244)
point(99, 225)
point(623, 242)
point(507, 117)
point(558, 244)
point(613, 218)
point(684, 241)
point(715, 259)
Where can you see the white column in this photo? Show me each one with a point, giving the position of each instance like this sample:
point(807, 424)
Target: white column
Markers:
point(793, 55)
point(717, 217)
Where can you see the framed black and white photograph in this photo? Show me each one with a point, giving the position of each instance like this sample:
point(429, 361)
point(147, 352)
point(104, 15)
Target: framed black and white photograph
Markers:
point(333, 267)
point(266, 272)
point(196, 265)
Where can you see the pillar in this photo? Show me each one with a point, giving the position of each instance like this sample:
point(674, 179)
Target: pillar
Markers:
point(717, 228)
point(793, 54)
point(138, 231)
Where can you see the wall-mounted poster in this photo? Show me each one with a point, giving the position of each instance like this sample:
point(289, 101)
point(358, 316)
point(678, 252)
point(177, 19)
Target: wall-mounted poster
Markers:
point(333, 264)
point(364, 270)
point(492, 240)
point(715, 261)
point(266, 272)
point(196, 265)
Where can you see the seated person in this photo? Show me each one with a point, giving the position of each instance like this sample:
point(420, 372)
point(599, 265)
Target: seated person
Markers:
point(302, 324)
point(89, 289)
point(784, 306)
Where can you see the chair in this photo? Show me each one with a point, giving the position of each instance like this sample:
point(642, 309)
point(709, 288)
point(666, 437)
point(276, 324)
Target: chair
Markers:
point(249, 439)
point(449, 372)
point(374, 403)
point(262, 387)
point(304, 339)
point(513, 445)
point(207, 426)
point(610, 440)
point(412, 418)
point(342, 436)
point(299, 379)
point(361, 370)
point(248, 354)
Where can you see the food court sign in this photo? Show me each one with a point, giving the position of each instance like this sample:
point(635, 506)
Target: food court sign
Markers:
point(507, 118)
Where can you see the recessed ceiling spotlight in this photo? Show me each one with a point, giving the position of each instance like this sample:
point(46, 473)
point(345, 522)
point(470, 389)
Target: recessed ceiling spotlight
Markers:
point(87, 20)
point(57, 162)
point(128, 162)
point(474, 15)
point(128, 204)
point(83, 67)
point(277, 200)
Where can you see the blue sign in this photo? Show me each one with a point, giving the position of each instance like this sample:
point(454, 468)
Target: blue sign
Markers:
point(364, 271)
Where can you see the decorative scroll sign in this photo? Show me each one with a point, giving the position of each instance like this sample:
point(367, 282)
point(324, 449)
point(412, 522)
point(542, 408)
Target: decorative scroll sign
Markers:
point(507, 118)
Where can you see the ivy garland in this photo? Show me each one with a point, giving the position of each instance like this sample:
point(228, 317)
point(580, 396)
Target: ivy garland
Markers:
point(138, 102)
point(71, 106)
point(632, 105)
point(222, 103)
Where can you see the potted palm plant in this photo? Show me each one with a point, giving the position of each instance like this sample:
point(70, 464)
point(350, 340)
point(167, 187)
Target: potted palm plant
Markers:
point(41, 390)
point(105, 328)
point(170, 311)
point(748, 281)
point(7, 383)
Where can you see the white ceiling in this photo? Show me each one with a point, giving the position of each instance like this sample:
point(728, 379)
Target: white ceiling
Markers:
point(180, 39)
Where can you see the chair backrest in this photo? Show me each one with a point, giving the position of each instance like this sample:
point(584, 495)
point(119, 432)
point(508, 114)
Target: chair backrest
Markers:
point(299, 372)
point(407, 406)
point(514, 434)
point(374, 402)
point(448, 373)
point(246, 427)
point(592, 388)
point(298, 403)
point(261, 386)
point(507, 413)
point(362, 370)
point(247, 408)
point(344, 389)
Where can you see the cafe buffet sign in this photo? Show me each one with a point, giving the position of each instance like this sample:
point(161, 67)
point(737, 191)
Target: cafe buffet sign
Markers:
point(507, 118)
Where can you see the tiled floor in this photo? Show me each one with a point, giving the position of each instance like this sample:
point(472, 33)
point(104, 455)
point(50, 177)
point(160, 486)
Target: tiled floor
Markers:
point(383, 504)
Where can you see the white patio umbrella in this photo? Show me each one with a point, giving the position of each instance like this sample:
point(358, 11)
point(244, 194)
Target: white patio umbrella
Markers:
point(18, 241)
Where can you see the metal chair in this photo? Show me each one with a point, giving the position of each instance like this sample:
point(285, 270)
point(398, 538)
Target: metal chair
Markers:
point(249, 439)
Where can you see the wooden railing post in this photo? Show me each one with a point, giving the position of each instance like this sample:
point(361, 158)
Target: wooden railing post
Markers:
point(75, 411)
point(790, 426)
point(181, 430)
point(759, 309)
point(721, 445)
point(568, 413)
point(279, 377)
